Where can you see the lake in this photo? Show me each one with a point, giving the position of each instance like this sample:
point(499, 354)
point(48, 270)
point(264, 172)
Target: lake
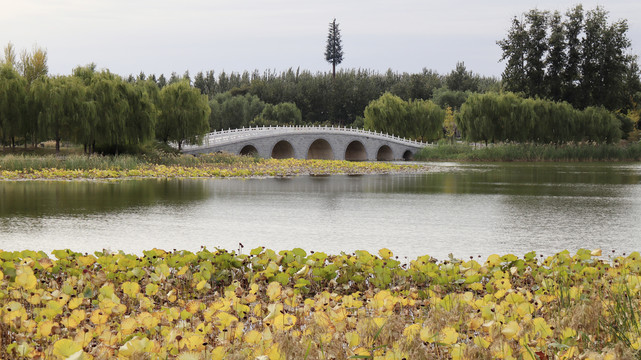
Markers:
point(462, 209)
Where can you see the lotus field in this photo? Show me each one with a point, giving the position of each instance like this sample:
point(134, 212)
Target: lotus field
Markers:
point(298, 305)
point(235, 166)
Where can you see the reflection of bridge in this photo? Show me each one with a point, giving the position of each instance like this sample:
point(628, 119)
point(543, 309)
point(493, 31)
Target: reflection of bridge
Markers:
point(308, 142)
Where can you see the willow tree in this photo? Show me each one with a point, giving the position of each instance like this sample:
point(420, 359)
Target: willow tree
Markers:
point(60, 101)
point(13, 96)
point(183, 116)
point(416, 119)
point(112, 110)
point(386, 114)
point(426, 120)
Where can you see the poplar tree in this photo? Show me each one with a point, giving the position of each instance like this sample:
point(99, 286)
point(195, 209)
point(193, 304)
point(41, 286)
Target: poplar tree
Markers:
point(334, 48)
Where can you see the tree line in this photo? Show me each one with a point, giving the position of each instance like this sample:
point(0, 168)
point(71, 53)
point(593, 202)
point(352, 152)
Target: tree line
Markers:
point(97, 109)
point(578, 57)
point(322, 98)
point(507, 117)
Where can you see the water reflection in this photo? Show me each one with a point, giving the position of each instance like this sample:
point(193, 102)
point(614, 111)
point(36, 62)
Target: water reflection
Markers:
point(44, 198)
point(464, 209)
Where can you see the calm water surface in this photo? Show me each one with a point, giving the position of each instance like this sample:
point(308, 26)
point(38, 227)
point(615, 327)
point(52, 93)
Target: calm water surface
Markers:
point(463, 209)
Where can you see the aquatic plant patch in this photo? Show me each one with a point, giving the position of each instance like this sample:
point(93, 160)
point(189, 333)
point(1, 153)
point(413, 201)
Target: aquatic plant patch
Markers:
point(259, 168)
point(297, 305)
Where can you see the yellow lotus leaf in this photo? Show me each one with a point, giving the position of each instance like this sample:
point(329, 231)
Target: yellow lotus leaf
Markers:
point(351, 302)
point(225, 319)
point(201, 284)
point(74, 319)
point(448, 336)
point(147, 320)
point(385, 253)
point(13, 310)
point(182, 270)
point(130, 288)
point(353, 339)
point(428, 335)
point(74, 303)
point(379, 322)
point(107, 291)
point(145, 302)
point(322, 319)
point(253, 288)
point(511, 329)
point(274, 353)
point(189, 355)
point(25, 278)
point(44, 328)
point(514, 298)
point(482, 342)
point(193, 306)
point(86, 260)
point(457, 351)
point(411, 331)
point(493, 260)
point(525, 309)
point(106, 336)
point(99, 316)
point(34, 299)
point(151, 289)
point(163, 270)
point(475, 323)
point(45, 262)
point(273, 311)
point(66, 348)
point(219, 352)
point(337, 315)
point(274, 290)
point(83, 338)
point(136, 345)
point(195, 342)
point(475, 286)
point(362, 352)
point(502, 284)
point(499, 294)
point(569, 333)
point(253, 337)
point(284, 322)
point(128, 325)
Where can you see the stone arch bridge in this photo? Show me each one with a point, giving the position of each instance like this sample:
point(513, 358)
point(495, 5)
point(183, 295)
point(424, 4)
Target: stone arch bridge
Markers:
point(308, 142)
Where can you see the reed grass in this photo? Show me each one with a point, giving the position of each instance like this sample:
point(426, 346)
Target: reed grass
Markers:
point(24, 162)
point(531, 152)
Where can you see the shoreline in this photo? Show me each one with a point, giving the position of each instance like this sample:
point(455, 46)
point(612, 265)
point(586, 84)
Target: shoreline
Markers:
point(269, 168)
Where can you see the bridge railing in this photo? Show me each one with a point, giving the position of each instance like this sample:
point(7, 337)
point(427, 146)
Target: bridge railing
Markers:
point(231, 135)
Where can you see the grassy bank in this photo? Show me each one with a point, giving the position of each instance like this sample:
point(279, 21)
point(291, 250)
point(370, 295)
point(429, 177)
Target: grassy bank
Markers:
point(299, 305)
point(531, 152)
point(28, 167)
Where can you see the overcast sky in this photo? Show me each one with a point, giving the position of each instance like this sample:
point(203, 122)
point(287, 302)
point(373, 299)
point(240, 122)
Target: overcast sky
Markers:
point(161, 36)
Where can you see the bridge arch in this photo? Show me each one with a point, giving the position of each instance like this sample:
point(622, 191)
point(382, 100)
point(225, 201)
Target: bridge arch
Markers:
point(249, 150)
point(282, 150)
point(385, 154)
point(355, 151)
point(408, 155)
point(320, 149)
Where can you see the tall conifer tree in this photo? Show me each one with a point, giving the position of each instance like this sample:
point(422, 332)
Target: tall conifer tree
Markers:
point(334, 49)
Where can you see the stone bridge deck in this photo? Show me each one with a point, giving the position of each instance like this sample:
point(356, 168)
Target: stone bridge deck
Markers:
point(309, 142)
